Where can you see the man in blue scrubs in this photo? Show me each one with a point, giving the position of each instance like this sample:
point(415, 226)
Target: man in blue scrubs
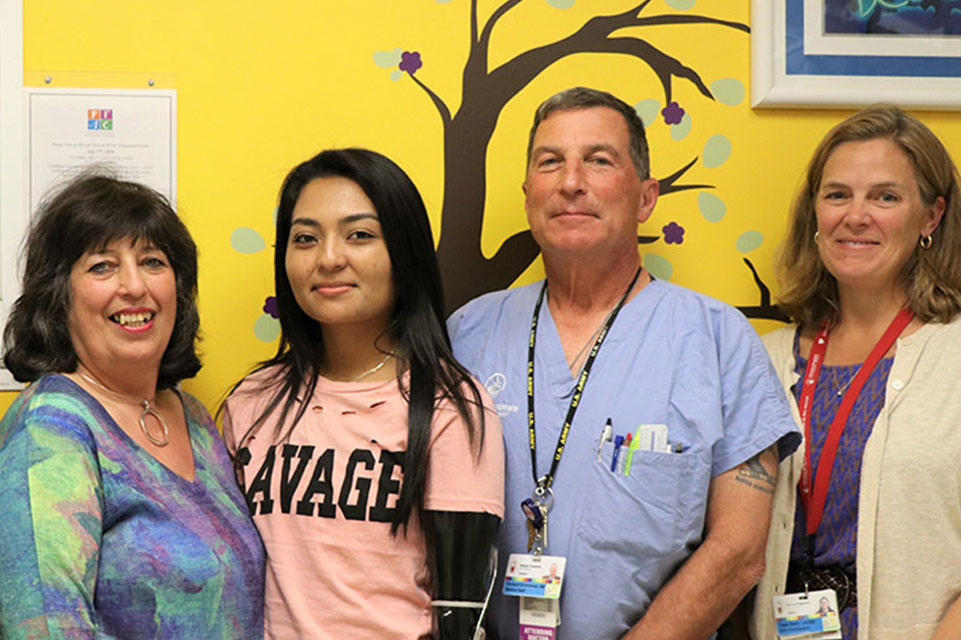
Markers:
point(664, 535)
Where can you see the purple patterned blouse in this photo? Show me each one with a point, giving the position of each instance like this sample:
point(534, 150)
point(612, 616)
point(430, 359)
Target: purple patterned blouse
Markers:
point(836, 541)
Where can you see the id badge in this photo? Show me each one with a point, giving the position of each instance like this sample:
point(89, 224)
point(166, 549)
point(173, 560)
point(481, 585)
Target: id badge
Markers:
point(534, 576)
point(537, 580)
point(812, 615)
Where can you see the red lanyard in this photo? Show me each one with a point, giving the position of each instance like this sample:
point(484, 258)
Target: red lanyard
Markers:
point(812, 498)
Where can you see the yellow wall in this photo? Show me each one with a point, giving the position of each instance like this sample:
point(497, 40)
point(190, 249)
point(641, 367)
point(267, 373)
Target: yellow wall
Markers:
point(263, 86)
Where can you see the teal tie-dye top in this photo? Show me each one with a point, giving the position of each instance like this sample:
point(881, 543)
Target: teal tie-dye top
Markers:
point(98, 539)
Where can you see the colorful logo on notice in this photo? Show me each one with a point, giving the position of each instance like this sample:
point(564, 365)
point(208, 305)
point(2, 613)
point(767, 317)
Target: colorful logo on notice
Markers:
point(100, 119)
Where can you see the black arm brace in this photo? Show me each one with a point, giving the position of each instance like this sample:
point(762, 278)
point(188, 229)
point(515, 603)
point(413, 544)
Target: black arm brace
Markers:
point(462, 542)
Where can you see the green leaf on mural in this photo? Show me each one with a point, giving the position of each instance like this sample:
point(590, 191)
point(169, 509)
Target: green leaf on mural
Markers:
point(648, 111)
point(387, 59)
point(729, 91)
point(659, 267)
point(561, 4)
point(717, 150)
point(247, 240)
point(710, 206)
point(749, 241)
point(681, 5)
point(680, 130)
point(266, 328)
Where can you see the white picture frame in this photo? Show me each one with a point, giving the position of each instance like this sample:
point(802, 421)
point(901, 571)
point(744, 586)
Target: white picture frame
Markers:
point(794, 64)
point(140, 144)
point(14, 216)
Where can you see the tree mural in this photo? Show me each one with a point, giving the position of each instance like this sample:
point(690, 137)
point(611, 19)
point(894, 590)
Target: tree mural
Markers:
point(467, 134)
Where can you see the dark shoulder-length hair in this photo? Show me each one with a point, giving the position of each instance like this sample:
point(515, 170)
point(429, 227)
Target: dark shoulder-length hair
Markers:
point(86, 215)
point(416, 325)
point(931, 279)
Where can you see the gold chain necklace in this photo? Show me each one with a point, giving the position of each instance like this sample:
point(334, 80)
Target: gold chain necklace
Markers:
point(377, 367)
point(146, 409)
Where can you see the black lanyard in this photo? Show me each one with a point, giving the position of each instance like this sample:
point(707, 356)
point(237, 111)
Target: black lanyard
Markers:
point(543, 484)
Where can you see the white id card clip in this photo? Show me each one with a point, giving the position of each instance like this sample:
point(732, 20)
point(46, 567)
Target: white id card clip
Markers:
point(812, 615)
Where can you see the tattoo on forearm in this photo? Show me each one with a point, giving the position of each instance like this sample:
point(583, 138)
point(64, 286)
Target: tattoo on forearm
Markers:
point(753, 474)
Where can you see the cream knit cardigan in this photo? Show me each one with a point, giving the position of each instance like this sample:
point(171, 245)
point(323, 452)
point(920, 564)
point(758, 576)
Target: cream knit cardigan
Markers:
point(909, 508)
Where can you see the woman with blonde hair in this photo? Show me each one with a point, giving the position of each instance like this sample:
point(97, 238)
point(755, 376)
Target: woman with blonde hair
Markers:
point(871, 276)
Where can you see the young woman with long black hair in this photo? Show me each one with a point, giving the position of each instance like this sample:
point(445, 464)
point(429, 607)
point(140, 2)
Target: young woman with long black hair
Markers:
point(370, 459)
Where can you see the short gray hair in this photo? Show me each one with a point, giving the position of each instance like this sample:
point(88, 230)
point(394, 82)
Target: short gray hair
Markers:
point(586, 98)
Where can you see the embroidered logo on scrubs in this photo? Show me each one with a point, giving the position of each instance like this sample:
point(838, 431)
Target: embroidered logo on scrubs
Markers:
point(496, 383)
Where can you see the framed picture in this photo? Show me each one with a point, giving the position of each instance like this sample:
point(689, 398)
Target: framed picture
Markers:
point(129, 133)
point(850, 53)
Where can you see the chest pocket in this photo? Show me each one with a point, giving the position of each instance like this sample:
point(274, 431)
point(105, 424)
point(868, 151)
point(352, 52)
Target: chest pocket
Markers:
point(656, 510)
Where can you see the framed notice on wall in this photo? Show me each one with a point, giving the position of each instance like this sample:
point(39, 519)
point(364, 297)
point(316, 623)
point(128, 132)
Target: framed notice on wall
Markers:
point(126, 133)
point(13, 213)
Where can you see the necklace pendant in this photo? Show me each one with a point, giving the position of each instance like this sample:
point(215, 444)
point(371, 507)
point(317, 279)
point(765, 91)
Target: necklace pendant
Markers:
point(147, 409)
point(164, 440)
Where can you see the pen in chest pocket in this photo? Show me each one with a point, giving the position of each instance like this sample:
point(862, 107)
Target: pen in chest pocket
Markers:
point(618, 441)
point(629, 457)
point(606, 434)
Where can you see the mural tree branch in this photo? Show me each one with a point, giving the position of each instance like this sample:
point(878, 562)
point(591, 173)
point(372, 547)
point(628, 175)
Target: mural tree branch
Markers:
point(764, 309)
point(467, 133)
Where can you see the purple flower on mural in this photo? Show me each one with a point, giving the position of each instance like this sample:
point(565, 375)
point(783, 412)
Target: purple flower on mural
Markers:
point(673, 232)
point(410, 62)
point(270, 307)
point(672, 113)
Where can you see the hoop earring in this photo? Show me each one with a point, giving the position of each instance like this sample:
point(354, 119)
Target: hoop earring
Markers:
point(925, 242)
point(817, 236)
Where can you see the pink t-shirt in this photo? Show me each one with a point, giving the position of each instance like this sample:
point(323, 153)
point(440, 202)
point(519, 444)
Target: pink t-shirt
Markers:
point(323, 502)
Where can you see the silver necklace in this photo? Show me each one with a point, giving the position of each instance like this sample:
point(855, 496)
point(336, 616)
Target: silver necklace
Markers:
point(146, 410)
point(377, 367)
point(841, 389)
point(591, 340)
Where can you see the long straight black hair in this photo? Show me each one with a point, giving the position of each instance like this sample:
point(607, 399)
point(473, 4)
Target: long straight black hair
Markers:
point(416, 325)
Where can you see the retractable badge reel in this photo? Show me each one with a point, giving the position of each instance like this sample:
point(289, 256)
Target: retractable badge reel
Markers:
point(535, 510)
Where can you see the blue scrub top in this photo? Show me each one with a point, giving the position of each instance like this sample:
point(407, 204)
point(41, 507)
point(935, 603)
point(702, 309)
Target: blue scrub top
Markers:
point(672, 357)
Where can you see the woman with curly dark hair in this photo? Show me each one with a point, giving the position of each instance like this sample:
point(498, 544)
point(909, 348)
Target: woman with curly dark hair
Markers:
point(121, 515)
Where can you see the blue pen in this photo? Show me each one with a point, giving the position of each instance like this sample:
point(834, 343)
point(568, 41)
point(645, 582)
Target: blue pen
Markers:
point(618, 441)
